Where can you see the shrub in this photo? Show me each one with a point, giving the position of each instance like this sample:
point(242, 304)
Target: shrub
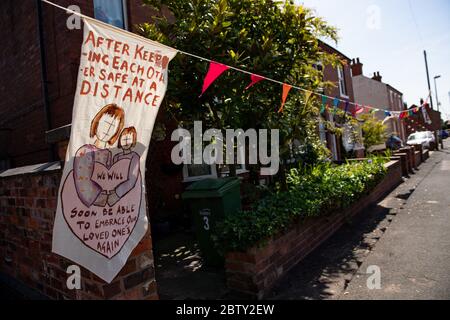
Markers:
point(313, 191)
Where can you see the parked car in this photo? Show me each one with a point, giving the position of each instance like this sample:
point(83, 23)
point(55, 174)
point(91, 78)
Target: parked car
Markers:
point(394, 143)
point(425, 138)
point(443, 134)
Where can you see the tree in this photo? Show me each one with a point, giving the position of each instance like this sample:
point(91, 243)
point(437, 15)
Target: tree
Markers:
point(275, 39)
point(374, 132)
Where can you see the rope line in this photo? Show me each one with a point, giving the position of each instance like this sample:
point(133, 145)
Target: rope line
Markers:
point(230, 67)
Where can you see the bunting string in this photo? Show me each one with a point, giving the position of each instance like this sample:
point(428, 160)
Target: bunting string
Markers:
point(218, 68)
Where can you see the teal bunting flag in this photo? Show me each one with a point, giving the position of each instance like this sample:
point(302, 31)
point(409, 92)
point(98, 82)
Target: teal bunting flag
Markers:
point(324, 103)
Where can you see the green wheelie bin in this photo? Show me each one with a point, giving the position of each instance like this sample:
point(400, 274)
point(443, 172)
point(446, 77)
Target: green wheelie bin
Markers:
point(209, 201)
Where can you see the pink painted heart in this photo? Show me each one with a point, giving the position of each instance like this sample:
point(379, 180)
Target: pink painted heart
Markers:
point(109, 179)
point(103, 229)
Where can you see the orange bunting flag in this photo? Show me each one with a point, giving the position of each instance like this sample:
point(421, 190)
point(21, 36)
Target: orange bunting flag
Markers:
point(255, 79)
point(214, 71)
point(286, 89)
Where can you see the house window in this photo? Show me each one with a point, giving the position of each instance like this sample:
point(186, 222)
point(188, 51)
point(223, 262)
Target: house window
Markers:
point(194, 172)
point(319, 67)
point(112, 12)
point(341, 79)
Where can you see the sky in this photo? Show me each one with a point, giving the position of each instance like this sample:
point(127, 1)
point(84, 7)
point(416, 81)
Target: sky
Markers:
point(389, 36)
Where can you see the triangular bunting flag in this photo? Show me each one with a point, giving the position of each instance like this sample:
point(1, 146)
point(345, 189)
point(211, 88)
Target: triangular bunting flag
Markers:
point(335, 104)
point(286, 89)
point(359, 109)
point(387, 113)
point(324, 104)
point(402, 115)
point(347, 104)
point(255, 79)
point(214, 71)
point(307, 96)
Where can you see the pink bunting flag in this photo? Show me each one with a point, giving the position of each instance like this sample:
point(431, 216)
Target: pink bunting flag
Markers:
point(359, 109)
point(255, 79)
point(286, 89)
point(214, 71)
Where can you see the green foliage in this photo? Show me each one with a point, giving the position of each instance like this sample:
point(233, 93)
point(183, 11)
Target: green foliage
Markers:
point(275, 39)
point(374, 132)
point(314, 191)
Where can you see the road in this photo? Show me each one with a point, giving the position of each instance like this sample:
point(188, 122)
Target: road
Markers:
point(406, 236)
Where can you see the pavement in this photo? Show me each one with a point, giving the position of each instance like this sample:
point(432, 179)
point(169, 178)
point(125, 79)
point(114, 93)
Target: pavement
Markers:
point(414, 254)
point(406, 237)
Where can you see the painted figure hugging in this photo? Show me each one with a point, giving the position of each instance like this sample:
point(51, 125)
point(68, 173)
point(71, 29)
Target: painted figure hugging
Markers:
point(101, 196)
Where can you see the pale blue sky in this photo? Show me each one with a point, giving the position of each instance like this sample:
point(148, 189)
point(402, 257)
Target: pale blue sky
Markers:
point(394, 43)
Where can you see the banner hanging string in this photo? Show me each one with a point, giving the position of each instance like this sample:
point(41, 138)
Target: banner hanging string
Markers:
point(229, 67)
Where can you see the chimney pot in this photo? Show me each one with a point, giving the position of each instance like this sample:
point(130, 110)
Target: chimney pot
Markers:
point(356, 67)
point(377, 76)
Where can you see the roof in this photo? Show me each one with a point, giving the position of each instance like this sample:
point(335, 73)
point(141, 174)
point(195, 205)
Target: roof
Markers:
point(323, 44)
point(391, 87)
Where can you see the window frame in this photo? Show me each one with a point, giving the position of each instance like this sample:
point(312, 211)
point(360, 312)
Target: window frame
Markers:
point(342, 82)
point(187, 178)
point(124, 13)
point(214, 172)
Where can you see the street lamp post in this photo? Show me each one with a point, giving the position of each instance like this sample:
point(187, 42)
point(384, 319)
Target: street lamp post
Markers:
point(435, 89)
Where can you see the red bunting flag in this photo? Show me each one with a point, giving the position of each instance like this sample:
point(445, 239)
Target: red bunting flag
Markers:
point(359, 109)
point(286, 89)
point(255, 79)
point(402, 115)
point(214, 71)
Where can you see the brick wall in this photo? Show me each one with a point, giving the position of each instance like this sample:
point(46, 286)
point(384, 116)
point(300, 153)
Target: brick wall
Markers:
point(409, 151)
point(256, 271)
point(27, 209)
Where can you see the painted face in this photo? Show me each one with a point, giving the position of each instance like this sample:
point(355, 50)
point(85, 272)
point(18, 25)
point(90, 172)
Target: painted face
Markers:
point(107, 127)
point(126, 141)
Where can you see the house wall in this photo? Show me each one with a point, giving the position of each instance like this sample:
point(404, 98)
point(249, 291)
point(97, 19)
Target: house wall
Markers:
point(396, 104)
point(417, 123)
point(382, 96)
point(330, 74)
point(27, 211)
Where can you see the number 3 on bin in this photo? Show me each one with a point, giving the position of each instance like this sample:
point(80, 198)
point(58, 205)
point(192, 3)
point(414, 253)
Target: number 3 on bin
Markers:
point(206, 225)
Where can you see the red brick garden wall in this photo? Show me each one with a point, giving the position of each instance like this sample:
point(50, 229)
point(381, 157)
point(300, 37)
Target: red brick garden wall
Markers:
point(256, 271)
point(27, 210)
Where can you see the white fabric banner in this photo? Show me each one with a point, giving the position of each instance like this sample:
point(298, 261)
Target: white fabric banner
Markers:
point(101, 212)
point(425, 115)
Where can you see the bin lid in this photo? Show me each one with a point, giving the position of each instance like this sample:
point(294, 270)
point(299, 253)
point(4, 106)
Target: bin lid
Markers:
point(210, 188)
